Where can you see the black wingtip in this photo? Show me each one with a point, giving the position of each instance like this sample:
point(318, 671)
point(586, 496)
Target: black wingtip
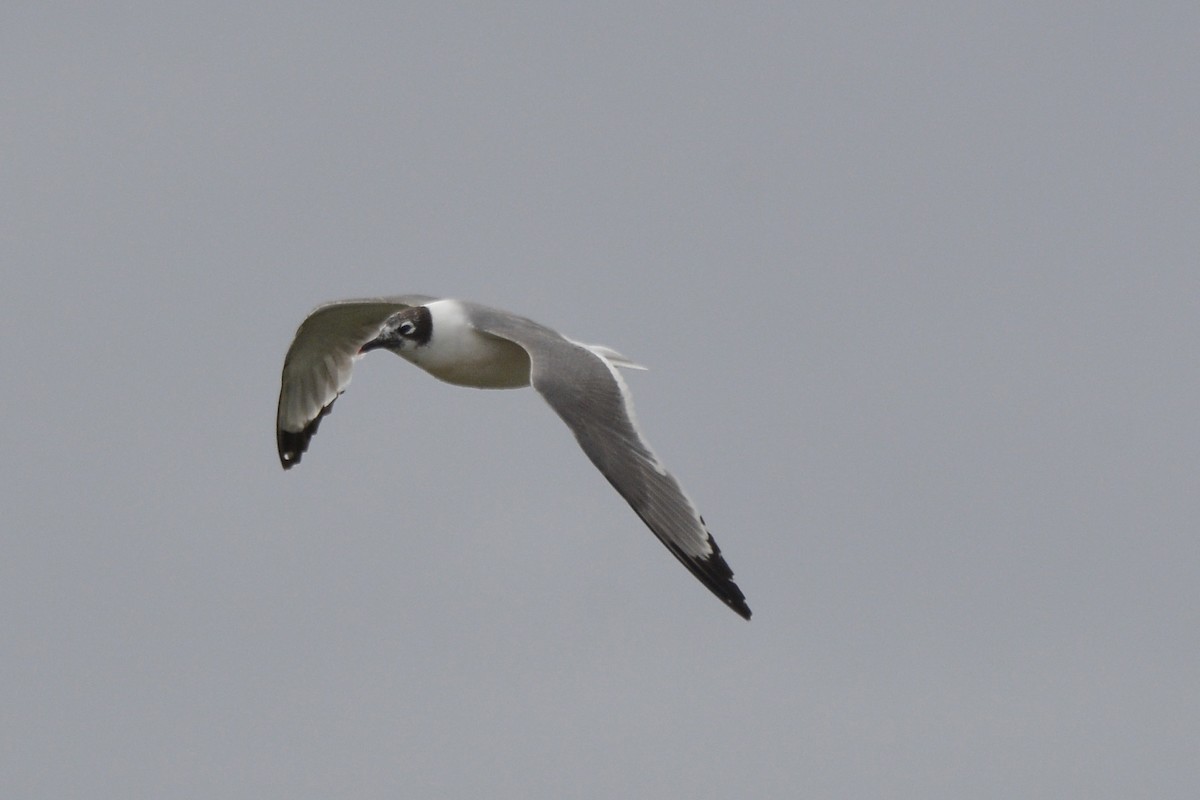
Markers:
point(718, 577)
point(715, 573)
point(740, 607)
point(293, 444)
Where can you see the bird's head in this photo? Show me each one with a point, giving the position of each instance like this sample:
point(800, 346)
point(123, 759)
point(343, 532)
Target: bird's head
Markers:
point(402, 331)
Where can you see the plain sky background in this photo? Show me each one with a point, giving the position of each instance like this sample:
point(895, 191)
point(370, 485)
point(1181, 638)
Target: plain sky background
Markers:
point(919, 290)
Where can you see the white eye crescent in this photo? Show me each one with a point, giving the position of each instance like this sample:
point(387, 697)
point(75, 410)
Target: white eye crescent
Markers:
point(406, 328)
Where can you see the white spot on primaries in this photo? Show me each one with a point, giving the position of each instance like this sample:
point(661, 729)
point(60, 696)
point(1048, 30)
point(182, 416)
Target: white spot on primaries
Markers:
point(457, 353)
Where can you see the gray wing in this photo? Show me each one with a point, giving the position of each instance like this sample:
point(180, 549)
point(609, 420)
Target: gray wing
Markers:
point(318, 364)
point(587, 392)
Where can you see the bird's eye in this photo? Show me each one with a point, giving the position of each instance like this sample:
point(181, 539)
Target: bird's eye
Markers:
point(406, 328)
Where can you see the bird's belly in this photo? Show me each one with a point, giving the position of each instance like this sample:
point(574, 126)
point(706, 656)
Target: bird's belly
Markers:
point(476, 360)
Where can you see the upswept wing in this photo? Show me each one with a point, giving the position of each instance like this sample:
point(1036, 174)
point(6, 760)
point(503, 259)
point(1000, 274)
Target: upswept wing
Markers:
point(586, 391)
point(319, 362)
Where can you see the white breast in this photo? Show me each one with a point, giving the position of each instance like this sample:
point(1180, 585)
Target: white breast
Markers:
point(457, 353)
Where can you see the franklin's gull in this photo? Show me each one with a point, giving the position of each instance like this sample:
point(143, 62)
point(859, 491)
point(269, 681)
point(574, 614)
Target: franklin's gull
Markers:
point(467, 344)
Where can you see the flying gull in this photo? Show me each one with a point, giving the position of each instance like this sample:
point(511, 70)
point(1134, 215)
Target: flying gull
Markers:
point(467, 344)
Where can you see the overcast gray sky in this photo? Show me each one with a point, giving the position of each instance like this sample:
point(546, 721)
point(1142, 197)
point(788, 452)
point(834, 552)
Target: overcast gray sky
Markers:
point(919, 292)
